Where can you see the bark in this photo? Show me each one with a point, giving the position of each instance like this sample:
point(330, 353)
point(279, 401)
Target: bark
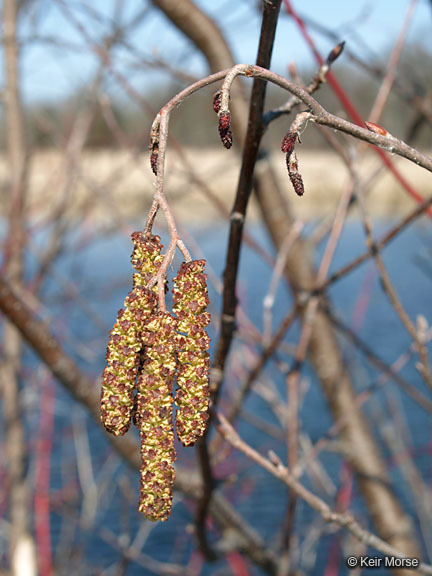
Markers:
point(21, 544)
point(392, 524)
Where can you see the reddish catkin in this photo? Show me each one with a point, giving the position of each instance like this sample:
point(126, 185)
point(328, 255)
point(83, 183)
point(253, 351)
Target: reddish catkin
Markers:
point(225, 132)
point(192, 397)
point(217, 101)
point(288, 143)
point(297, 181)
point(288, 146)
point(122, 357)
point(154, 417)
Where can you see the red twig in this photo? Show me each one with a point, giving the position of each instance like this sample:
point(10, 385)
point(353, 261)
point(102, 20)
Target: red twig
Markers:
point(42, 488)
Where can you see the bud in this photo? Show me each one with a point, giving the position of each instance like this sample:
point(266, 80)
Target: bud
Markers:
point(225, 132)
point(192, 397)
point(122, 357)
point(154, 417)
point(376, 128)
point(335, 53)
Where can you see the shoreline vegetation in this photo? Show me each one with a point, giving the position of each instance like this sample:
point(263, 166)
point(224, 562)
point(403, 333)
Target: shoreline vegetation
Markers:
point(103, 184)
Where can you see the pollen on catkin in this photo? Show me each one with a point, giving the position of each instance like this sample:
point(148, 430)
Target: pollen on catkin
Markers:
point(122, 357)
point(192, 396)
point(146, 257)
point(154, 417)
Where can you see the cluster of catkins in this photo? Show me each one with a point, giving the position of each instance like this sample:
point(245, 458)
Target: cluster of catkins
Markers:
point(148, 351)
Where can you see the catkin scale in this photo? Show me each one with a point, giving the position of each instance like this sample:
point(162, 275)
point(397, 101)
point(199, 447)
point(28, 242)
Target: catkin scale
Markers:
point(146, 257)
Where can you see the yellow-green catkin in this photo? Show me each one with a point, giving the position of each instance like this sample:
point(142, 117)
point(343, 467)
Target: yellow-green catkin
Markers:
point(146, 257)
point(154, 417)
point(122, 357)
point(192, 397)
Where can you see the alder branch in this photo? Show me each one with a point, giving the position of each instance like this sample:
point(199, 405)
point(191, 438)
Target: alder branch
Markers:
point(318, 114)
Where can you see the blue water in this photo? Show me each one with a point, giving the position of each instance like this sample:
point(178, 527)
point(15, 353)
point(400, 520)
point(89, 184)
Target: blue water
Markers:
point(101, 273)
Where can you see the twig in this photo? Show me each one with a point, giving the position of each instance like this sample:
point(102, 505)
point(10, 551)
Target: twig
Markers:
point(319, 78)
point(317, 114)
point(277, 469)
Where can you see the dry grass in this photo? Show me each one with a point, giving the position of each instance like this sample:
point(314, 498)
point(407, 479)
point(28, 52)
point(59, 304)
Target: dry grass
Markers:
point(104, 185)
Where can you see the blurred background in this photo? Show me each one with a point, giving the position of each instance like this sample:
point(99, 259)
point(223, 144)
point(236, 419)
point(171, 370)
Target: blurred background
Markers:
point(81, 83)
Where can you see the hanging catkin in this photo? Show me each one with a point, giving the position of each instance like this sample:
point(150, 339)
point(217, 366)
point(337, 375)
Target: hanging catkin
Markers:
point(154, 417)
point(122, 357)
point(147, 348)
point(192, 397)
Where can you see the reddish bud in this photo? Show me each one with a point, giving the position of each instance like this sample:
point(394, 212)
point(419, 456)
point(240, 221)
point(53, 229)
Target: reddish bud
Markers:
point(376, 128)
point(217, 101)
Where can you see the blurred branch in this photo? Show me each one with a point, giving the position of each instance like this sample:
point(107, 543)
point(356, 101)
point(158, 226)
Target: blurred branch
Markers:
point(277, 469)
point(390, 76)
point(387, 285)
point(375, 360)
point(22, 555)
point(380, 244)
